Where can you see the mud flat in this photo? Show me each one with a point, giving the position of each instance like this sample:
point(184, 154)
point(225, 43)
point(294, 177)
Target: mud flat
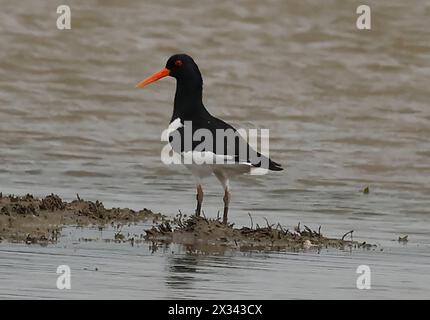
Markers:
point(200, 233)
point(40, 220)
point(34, 220)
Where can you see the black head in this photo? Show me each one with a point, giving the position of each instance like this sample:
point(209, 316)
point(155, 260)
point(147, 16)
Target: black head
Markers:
point(180, 66)
point(183, 67)
point(189, 86)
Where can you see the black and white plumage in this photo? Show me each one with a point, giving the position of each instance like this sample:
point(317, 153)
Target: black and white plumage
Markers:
point(231, 158)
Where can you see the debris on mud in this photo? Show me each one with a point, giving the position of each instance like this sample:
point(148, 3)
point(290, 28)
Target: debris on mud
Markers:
point(202, 232)
point(32, 220)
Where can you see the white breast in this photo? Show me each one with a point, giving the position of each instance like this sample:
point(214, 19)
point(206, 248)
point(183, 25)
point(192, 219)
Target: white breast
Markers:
point(174, 125)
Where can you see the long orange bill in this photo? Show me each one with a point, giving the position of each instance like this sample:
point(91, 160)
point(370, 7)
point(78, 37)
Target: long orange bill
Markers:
point(156, 76)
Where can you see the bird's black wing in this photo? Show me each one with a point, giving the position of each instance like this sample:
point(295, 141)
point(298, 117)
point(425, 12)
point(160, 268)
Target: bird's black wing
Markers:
point(226, 141)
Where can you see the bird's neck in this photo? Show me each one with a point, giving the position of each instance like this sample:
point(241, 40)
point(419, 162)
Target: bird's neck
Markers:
point(188, 101)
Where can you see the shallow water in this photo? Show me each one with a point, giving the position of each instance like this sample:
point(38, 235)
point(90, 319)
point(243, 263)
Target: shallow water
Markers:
point(345, 108)
point(106, 270)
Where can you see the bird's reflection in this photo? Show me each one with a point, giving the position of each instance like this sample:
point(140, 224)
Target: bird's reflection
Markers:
point(182, 270)
point(186, 267)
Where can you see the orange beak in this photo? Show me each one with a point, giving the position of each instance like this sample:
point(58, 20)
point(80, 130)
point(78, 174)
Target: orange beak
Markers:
point(156, 76)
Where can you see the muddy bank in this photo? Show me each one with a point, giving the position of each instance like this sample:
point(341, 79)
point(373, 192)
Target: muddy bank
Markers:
point(30, 219)
point(40, 220)
point(201, 233)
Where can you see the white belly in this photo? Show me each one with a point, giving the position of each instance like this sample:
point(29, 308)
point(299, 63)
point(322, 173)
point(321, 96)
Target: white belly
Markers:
point(200, 170)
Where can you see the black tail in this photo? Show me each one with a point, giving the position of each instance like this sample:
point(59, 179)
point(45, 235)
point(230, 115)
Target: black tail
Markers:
point(257, 159)
point(275, 166)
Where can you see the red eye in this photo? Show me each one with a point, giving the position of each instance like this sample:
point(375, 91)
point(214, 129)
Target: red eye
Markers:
point(178, 63)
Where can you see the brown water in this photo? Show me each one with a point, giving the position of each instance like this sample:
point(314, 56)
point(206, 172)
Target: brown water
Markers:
point(345, 108)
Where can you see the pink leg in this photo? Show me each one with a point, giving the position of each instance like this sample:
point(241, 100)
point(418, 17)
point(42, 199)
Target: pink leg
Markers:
point(199, 198)
point(227, 197)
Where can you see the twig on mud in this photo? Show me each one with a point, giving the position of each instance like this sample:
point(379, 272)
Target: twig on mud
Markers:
point(77, 196)
point(204, 218)
point(349, 232)
point(179, 219)
point(319, 231)
point(297, 228)
point(164, 227)
point(280, 227)
point(252, 223)
point(217, 216)
point(308, 230)
point(269, 226)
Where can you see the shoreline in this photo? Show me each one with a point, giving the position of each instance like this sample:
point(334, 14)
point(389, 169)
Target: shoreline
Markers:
point(40, 220)
point(28, 219)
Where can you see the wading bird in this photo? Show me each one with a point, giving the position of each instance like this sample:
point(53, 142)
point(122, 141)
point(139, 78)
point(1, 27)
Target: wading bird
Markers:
point(189, 110)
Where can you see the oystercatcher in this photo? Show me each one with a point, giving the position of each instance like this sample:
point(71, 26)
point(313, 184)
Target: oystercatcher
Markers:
point(189, 111)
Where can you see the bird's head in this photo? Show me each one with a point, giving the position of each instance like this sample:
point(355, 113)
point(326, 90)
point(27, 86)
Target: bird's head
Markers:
point(180, 66)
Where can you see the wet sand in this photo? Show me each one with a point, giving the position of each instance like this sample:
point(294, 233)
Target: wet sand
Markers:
point(31, 220)
point(201, 233)
point(40, 220)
